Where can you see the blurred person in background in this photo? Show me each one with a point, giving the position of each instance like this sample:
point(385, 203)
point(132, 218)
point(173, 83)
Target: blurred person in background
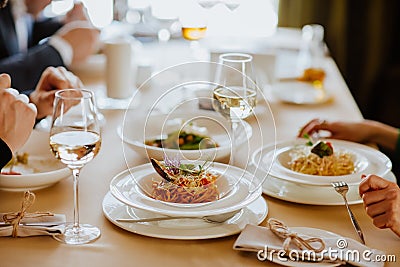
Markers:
point(29, 43)
point(381, 197)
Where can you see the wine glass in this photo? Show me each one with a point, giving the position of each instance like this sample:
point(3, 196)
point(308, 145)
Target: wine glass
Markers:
point(75, 140)
point(194, 28)
point(235, 93)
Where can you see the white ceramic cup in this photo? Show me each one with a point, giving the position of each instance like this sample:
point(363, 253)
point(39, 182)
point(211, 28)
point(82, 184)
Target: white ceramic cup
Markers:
point(119, 70)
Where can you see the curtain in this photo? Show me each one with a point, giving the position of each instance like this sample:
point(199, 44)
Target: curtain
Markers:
point(363, 38)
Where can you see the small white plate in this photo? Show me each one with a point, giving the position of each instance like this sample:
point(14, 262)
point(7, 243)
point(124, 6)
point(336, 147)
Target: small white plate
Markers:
point(312, 195)
point(135, 130)
point(182, 229)
point(124, 187)
point(367, 160)
point(42, 169)
point(302, 93)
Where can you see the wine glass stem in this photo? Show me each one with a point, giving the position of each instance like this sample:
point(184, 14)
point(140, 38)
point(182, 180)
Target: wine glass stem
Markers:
point(234, 125)
point(75, 173)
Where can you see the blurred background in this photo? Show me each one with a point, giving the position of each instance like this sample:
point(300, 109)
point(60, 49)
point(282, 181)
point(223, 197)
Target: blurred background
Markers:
point(360, 34)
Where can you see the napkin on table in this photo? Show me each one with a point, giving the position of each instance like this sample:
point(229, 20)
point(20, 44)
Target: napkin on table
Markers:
point(46, 225)
point(255, 238)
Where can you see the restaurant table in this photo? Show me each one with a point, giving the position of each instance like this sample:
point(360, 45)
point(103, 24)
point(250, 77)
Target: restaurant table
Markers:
point(117, 247)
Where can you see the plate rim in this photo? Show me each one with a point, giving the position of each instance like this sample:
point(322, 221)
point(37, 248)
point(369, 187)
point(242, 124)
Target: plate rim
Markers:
point(53, 177)
point(291, 142)
point(177, 211)
point(225, 231)
point(300, 201)
point(327, 94)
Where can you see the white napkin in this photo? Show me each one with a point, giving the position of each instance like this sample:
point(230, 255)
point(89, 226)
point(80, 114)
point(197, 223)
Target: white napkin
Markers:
point(256, 238)
point(46, 225)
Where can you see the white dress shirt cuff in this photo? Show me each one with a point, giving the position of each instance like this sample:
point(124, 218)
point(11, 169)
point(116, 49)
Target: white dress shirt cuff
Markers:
point(63, 47)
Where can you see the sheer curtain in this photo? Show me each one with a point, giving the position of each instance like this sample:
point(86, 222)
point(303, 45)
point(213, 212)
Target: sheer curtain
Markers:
point(361, 37)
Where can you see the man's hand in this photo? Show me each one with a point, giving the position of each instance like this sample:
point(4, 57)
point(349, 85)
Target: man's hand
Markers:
point(82, 37)
point(17, 116)
point(52, 80)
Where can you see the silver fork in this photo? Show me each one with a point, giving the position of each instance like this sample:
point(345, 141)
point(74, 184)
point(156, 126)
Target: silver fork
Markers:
point(342, 188)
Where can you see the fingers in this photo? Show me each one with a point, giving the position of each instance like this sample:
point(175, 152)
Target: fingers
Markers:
point(58, 78)
point(371, 183)
point(382, 221)
point(5, 81)
point(21, 97)
point(72, 80)
point(12, 91)
point(372, 197)
point(313, 126)
point(33, 107)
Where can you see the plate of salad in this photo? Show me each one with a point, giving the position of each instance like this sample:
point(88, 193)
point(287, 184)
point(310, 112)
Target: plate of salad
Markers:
point(202, 135)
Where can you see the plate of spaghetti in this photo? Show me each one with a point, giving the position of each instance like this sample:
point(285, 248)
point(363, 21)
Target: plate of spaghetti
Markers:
point(192, 185)
point(135, 187)
point(299, 162)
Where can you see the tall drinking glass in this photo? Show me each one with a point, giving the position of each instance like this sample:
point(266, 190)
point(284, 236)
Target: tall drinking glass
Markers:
point(236, 92)
point(75, 140)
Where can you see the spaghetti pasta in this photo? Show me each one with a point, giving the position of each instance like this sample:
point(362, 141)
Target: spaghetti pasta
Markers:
point(194, 186)
point(334, 165)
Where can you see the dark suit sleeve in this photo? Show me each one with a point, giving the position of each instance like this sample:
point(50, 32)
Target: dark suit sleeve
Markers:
point(25, 69)
point(5, 154)
point(43, 29)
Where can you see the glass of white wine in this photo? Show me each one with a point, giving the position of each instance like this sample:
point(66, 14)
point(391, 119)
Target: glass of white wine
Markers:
point(194, 28)
point(235, 93)
point(75, 140)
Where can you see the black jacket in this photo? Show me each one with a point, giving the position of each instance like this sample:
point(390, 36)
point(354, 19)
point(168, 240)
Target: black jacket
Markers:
point(25, 69)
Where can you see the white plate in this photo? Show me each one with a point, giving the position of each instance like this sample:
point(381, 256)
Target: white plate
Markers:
point(300, 93)
point(42, 170)
point(312, 195)
point(136, 129)
point(367, 160)
point(124, 187)
point(314, 232)
point(183, 229)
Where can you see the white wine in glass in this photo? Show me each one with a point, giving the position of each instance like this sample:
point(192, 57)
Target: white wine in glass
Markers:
point(75, 140)
point(235, 95)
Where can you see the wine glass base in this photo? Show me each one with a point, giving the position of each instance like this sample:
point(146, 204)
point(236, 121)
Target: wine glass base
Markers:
point(83, 234)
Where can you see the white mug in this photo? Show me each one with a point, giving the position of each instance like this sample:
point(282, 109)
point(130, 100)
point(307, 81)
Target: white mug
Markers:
point(119, 71)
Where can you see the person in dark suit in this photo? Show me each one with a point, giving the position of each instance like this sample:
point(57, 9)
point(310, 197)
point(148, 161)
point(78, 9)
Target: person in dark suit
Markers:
point(69, 43)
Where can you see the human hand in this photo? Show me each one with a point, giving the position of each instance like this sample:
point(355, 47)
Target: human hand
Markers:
point(52, 79)
point(5, 81)
point(35, 7)
point(77, 13)
point(382, 202)
point(17, 116)
point(82, 37)
point(350, 131)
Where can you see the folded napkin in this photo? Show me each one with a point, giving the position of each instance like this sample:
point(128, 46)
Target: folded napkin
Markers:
point(50, 224)
point(22, 223)
point(269, 243)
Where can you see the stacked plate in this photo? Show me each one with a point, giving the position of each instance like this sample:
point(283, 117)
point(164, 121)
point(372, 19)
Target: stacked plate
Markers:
point(130, 198)
point(272, 161)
